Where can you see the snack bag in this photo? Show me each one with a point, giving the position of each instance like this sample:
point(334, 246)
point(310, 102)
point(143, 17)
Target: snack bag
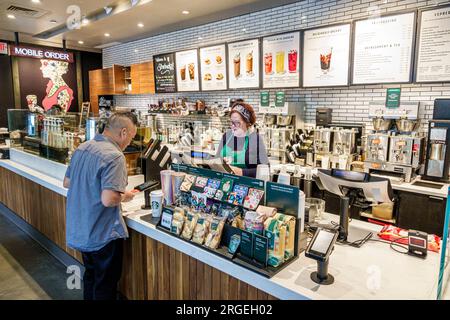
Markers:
point(253, 198)
point(215, 233)
point(254, 222)
point(189, 225)
point(201, 229)
point(275, 231)
point(187, 182)
point(177, 221)
point(289, 222)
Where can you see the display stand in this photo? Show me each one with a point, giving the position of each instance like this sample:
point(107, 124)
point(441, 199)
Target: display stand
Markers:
point(321, 276)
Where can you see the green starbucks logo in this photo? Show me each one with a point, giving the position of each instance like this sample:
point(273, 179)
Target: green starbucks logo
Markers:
point(155, 205)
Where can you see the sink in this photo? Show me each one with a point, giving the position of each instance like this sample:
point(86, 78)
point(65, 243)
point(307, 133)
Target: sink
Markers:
point(428, 184)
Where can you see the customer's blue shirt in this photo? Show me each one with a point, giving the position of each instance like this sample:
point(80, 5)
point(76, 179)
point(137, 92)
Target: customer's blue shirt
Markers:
point(96, 165)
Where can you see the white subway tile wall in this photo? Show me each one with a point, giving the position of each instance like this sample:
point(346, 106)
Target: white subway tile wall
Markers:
point(350, 104)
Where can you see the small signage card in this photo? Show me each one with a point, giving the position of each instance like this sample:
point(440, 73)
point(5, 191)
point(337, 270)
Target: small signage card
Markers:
point(247, 244)
point(280, 99)
point(261, 248)
point(3, 48)
point(393, 98)
point(166, 218)
point(265, 99)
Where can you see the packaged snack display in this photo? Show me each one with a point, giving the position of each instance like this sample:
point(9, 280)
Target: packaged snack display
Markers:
point(289, 222)
point(238, 222)
point(275, 231)
point(200, 184)
point(253, 198)
point(211, 188)
point(187, 182)
point(201, 229)
point(210, 192)
point(226, 185)
point(235, 241)
point(254, 222)
point(238, 195)
point(215, 233)
point(269, 212)
point(198, 200)
point(189, 225)
point(178, 221)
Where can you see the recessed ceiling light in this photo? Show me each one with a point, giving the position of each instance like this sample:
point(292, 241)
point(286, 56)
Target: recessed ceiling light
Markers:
point(107, 35)
point(200, 38)
point(11, 16)
point(53, 21)
point(36, 1)
point(81, 42)
point(185, 12)
point(136, 50)
point(140, 25)
point(244, 30)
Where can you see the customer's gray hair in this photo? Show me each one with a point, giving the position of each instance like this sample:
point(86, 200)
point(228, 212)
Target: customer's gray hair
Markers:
point(120, 120)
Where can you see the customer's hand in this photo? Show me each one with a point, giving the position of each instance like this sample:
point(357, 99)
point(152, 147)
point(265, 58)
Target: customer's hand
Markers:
point(237, 171)
point(127, 196)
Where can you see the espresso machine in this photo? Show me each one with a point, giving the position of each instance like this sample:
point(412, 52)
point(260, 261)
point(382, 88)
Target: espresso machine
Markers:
point(438, 151)
point(395, 149)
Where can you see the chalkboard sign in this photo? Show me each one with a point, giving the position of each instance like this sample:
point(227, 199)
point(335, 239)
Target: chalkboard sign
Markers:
point(164, 70)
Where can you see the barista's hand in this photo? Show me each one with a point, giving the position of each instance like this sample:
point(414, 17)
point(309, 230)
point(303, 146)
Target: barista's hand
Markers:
point(237, 171)
point(128, 196)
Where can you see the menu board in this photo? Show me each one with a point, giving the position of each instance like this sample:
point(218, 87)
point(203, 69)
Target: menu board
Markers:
point(243, 64)
point(213, 68)
point(433, 61)
point(383, 49)
point(281, 61)
point(187, 70)
point(164, 70)
point(326, 56)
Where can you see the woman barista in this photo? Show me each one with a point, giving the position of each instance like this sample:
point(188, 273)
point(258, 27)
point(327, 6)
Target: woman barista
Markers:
point(242, 147)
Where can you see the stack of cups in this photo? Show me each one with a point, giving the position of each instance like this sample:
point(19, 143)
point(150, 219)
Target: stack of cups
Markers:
point(166, 184)
point(177, 180)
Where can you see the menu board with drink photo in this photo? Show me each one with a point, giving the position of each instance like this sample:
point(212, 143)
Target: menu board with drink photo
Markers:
point(281, 60)
point(213, 69)
point(243, 64)
point(164, 66)
point(326, 56)
point(187, 70)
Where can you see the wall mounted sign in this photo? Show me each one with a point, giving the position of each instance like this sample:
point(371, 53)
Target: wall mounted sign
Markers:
point(187, 70)
point(213, 68)
point(382, 50)
point(280, 99)
point(243, 64)
point(326, 56)
point(281, 59)
point(40, 53)
point(433, 53)
point(264, 99)
point(3, 48)
point(393, 98)
point(164, 71)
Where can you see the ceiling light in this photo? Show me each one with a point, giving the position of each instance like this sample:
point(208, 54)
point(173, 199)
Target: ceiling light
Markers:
point(244, 30)
point(53, 21)
point(140, 25)
point(81, 42)
point(36, 1)
point(200, 38)
point(85, 21)
point(11, 16)
point(185, 12)
point(107, 35)
point(136, 50)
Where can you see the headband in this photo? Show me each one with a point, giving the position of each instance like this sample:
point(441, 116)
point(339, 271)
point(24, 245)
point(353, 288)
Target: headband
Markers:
point(242, 111)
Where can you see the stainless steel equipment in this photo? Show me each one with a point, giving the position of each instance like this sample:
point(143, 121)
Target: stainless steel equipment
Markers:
point(437, 162)
point(406, 125)
point(377, 149)
point(406, 150)
point(381, 124)
point(322, 140)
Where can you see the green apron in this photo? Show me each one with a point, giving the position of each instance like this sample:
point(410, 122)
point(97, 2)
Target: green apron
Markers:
point(237, 156)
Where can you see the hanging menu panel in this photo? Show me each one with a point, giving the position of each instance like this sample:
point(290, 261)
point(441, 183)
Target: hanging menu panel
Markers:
point(326, 56)
point(383, 49)
point(243, 64)
point(187, 70)
point(213, 68)
point(433, 62)
point(164, 70)
point(281, 61)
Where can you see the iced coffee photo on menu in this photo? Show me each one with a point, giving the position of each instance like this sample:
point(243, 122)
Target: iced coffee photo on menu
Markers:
point(187, 70)
point(243, 64)
point(281, 60)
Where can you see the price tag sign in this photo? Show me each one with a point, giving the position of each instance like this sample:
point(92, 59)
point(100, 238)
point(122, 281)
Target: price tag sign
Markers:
point(280, 99)
point(393, 98)
point(166, 218)
point(261, 248)
point(247, 244)
point(265, 99)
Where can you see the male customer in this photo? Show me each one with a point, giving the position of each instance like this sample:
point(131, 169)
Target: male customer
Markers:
point(96, 179)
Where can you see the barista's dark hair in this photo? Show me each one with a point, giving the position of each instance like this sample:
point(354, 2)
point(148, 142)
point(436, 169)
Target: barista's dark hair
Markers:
point(118, 120)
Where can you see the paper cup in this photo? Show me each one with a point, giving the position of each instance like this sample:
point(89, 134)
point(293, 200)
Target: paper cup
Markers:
point(156, 198)
point(325, 162)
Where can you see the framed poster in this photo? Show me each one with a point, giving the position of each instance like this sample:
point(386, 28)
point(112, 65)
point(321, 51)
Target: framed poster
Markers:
point(243, 64)
point(383, 48)
point(281, 59)
point(187, 70)
point(213, 68)
point(433, 45)
point(326, 56)
point(164, 72)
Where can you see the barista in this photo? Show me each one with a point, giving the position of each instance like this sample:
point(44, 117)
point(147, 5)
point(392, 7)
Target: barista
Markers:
point(242, 147)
